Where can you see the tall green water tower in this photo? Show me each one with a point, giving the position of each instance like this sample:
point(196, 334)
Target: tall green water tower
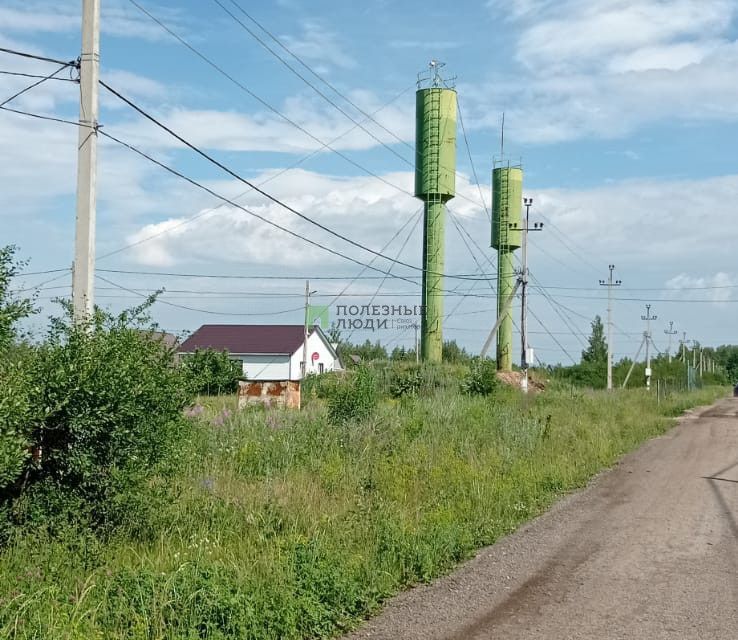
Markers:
point(507, 208)
point(435, 184)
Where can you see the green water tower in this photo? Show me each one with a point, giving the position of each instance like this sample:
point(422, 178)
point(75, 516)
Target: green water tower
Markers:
point(507, 208)
point(435, 184)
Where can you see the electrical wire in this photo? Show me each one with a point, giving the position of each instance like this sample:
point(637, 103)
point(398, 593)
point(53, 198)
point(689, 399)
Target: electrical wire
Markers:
point(263, 102)
point(33, 85)
point(32, 56)
point(264, 219)
point(399, 253)
point(42, 117)
point(471, 163)
point(281, 172)
point(238, 177)
point(324, 81)
point(265, 276)
point(303, 78)
point(207, 311)
point(20, 74)
point(201, 186)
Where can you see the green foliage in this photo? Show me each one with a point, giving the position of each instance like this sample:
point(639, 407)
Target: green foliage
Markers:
point(406, 382)
point(302, 529)
point(596, 352)
point(18, 414)
point(17, 408)
point(318, 386)
point(481, 379)
point(353, 398)
point(212, 372)
point(454, 354)
point(726, 356)
point(111, 420)
point(367, 352)
point(12, 307)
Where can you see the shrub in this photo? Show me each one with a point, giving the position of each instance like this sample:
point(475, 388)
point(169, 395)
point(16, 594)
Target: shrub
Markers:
point(481, 379)
point(111, 421)
point(212, 372)
point(16, 420)
point(354, 398)
point(406, 382)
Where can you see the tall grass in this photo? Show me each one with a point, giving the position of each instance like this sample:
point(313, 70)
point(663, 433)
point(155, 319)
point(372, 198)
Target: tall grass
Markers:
point(288, 526)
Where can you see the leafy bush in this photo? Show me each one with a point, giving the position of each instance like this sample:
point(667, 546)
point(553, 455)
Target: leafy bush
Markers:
point(481, 379)
point(318, 386)
point(212, 372)
point(111, 420)
point(406, 382)
point(16, 420)
point(12, 307)
point(354, 398)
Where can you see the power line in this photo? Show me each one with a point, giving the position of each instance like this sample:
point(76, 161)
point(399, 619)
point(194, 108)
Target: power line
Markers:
point(201, 186)
point(270, 222)
point(309, 69)
point(201, 214)
point(20, 74)
point(399, 253)
point(471, 162)
point(253, 186)
point(208, 311)
point(34, 85)
point(324, 81)
point(273, 109)
point(32, 56)
point(42, 117)
point(263, 102)
point(262, 276)
point(303, 78)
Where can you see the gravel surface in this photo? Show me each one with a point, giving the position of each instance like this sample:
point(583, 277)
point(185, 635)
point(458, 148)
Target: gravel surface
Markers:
point(648, 550)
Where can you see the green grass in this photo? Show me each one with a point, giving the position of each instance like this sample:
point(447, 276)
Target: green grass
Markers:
point(288, 527)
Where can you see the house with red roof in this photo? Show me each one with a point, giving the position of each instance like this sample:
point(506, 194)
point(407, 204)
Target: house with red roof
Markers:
point(268, 352)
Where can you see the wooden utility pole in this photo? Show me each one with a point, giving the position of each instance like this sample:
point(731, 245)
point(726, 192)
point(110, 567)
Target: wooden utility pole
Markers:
point(83, 273)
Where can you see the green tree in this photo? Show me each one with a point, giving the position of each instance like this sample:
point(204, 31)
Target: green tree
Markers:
point(596, 351)
point(212, 372)
point(12, 307)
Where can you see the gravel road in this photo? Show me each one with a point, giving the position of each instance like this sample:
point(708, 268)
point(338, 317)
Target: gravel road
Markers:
point(648, 550)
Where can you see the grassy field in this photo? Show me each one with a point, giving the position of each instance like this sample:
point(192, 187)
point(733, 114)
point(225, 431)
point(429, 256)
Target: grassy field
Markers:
point(285, 526)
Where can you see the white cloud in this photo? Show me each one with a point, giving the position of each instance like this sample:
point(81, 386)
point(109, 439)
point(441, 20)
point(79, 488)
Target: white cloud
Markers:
point(719, 287)
point(266, 131)
point(318, 44)
point(604, 68)
point(648, 222)
point(118, 18)
point(361, 208)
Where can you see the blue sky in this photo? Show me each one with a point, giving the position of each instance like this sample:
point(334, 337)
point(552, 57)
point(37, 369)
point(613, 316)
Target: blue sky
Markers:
point(625, 113)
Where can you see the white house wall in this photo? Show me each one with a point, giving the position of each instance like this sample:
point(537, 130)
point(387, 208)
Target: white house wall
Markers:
point(264, 367)
point(325, 357)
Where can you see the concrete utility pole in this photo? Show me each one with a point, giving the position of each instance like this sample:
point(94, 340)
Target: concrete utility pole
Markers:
point(683, 344)
point(83, 273)
point(670, 332)
point(647, 338)
point(538, 226)
point(609, 284)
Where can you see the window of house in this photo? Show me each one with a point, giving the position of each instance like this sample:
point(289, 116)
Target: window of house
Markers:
point(320, 367)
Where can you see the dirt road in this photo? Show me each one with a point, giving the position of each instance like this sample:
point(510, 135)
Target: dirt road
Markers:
point(649, 550)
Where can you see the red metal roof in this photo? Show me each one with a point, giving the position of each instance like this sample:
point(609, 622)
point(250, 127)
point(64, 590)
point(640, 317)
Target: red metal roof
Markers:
point(246, 338)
